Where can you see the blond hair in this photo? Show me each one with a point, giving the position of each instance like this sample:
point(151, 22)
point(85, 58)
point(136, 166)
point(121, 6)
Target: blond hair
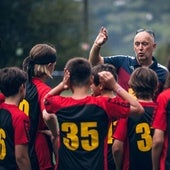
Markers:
point(41, 70)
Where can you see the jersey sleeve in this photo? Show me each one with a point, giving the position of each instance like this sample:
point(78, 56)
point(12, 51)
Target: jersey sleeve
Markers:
point(43, 92)
point(2, 98)
point(21, 126)
point(116, 60)
point(160, 116)
point(51, 103)
point(118, 108)
point(120, 132)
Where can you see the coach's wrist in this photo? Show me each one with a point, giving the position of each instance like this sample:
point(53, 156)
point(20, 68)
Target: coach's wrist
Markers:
point(97, 44)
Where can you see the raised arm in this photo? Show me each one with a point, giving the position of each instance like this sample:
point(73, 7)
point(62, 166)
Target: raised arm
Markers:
point(63, 85)
point(94, 56)
point(108, 81)
point(50, 118)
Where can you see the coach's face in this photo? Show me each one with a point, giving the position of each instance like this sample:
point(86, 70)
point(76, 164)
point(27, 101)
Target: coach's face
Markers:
point(144, 46)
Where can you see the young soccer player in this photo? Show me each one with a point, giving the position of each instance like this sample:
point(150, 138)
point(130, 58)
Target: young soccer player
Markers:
point(97, 89)
point(39, 65)
point(133, 136)
point(14, 124)
point(161, 125)
point(84, 119)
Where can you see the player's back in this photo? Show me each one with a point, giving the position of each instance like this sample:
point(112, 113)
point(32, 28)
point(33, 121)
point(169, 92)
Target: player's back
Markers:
point(11, 134)
point(140, 138)
point(84, 126)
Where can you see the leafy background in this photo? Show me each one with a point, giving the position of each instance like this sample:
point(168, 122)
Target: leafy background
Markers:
point(123, 17)
point(72, 25)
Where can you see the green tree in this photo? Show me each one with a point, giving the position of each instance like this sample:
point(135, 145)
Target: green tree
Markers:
point(25, 23)
point(163, 52)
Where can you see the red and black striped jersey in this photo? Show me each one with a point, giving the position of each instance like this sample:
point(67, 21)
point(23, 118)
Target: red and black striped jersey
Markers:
point(33, 106)
point(162, 121)
point(84, 125)
point(14, 127)
point(136, 133)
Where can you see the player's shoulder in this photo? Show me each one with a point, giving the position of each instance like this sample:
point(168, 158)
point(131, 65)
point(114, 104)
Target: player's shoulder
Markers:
point(164, 94)
point(162, 67)
point(122, 56)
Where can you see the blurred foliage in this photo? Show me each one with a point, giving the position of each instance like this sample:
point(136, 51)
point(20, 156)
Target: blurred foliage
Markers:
point(123, 17)
point(164, 52)
point(25, 23)
point(61, 23)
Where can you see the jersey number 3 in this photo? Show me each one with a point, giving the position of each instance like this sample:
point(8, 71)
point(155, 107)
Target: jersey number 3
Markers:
point(145, 143)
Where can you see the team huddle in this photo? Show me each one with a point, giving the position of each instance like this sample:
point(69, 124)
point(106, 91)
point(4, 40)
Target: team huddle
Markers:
point(116, 117)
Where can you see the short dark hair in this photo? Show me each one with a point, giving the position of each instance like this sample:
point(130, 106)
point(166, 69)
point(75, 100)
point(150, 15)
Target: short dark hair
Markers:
point(11, 78)
point(103, 67)
point(144, 82)
point(80, 71)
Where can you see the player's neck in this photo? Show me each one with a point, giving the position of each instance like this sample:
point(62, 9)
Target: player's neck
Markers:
point(145, 63)
point(80, 92)
point(42, 78)
point(14, 100)
point(108, 93)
